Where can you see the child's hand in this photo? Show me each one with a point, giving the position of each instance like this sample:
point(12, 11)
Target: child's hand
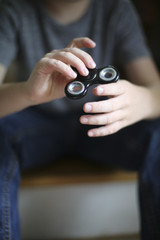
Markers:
point(127, 104)
point(50, 75)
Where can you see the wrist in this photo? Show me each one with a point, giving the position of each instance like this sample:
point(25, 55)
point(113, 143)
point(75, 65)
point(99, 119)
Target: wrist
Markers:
point(26, 94)
point(150, 102)
point(154, 101)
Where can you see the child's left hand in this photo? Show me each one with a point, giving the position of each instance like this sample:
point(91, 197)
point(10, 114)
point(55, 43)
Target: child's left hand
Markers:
point(127, 104)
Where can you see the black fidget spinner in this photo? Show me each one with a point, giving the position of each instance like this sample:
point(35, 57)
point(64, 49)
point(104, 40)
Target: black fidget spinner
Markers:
point(79, 86)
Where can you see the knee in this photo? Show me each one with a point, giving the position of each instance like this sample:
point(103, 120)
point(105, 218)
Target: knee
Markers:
point(153, 125)
point(9, 125)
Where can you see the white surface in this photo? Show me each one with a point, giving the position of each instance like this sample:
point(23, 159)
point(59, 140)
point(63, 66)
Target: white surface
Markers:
point(79, 210)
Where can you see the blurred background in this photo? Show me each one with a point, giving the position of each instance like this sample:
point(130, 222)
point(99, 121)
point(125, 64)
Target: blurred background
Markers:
point(149, 12)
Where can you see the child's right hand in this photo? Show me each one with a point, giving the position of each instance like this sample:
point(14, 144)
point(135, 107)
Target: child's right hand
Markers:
point(49, 77)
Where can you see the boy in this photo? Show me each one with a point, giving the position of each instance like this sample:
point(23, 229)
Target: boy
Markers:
point(38, 123)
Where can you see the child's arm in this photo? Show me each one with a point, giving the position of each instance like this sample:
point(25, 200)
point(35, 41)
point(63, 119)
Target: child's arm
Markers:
point(48, 78)
point(128, 102)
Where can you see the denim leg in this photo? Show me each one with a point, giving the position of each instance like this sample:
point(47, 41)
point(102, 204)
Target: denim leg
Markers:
point(135, 148)
point(9, 182)
point(149, 187)
point(27, 139)
point(125, 149)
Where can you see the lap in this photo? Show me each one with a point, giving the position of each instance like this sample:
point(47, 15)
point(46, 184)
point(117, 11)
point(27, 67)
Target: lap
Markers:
point(126, 149)
point(38, 139)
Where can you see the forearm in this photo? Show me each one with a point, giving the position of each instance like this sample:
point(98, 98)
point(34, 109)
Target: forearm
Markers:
point(143, 73)
point(13, 98)
point(154, 101)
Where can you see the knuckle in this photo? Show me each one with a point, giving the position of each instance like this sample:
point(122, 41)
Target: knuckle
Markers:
point(120, 87)
point(96, 132)
point(66, 68)
point(103, 131)
point(99, 106)
point(113, 105)
point(55, 51)
point(115, 128)
point(72, 48)
point(108, 119)
point(43, 60)
point(109, 131)
point(56, 63)
point(65, 54)
point(51, 54)
point(47, 55)
point(95, 121)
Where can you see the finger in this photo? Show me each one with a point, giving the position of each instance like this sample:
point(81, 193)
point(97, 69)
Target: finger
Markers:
point(82, 42)
point(71, 59)
point(109, 105)
point(84, 56)
point(106, 130)
point(102, 119)
point(112, 89)
point(47, 66)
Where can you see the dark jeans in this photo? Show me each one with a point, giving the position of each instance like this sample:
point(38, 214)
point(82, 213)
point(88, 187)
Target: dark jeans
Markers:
point(31, 138)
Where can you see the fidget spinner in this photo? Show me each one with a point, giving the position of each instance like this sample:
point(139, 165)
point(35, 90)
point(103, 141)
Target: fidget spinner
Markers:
point(79, 86)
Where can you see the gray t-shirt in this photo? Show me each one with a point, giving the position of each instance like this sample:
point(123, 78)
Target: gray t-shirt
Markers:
point(28, 32)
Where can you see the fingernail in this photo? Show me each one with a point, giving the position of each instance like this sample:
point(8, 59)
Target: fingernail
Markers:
point(88, 107)
point(84, 120)
point(73, 74)
point(90, 134)
point(85, 71)
point(92, 64)
point(99, 90)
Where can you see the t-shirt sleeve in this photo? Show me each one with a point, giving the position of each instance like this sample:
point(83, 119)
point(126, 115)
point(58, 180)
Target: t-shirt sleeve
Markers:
point(9, 23)
point(130, 40)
